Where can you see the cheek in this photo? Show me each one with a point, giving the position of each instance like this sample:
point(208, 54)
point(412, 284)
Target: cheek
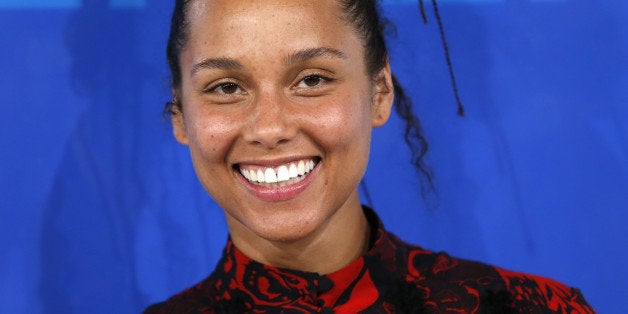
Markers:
point(344, 122)
point(211, 134)
point(346, 119)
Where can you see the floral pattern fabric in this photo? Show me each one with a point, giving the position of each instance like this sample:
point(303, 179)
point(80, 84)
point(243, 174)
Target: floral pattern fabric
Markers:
point(392, 277)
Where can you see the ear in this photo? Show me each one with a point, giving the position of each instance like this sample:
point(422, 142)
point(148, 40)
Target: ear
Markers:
point(384, 96)
point(178, 123)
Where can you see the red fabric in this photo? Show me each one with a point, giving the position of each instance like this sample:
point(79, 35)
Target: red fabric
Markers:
point(342, 280)
point(545, 292)
point(392, 277)
point(363, 296)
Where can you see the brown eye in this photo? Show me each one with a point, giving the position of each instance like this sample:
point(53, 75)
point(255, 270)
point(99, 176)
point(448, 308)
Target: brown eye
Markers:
point(311, 81)
point(226, 89)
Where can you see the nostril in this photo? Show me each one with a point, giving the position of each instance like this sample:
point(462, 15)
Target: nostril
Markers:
point(271, 123)
point(271, 135)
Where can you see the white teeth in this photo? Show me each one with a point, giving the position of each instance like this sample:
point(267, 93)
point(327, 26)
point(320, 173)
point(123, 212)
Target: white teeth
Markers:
point(270, 176)
point(282, 173)
point(301, 168)
point(293, 171)
point(260, 176)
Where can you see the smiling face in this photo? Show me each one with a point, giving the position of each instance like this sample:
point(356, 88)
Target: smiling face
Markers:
point(277, 110)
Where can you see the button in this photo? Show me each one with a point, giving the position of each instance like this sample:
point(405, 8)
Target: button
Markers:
point(324, 284)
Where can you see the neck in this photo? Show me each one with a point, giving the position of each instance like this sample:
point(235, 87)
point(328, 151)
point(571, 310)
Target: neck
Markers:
point(340, 240)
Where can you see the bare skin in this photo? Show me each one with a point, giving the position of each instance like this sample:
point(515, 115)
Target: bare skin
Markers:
point(270, 83)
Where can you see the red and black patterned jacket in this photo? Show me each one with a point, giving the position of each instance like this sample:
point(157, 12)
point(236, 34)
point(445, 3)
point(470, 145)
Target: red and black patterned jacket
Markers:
point(392, 277)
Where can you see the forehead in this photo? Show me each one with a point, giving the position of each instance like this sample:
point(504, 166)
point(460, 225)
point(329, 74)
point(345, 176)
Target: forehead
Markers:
point(231, 26)
point(243, 8)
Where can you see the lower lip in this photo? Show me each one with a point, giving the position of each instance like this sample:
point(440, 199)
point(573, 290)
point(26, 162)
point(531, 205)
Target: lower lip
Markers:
point(283, 193)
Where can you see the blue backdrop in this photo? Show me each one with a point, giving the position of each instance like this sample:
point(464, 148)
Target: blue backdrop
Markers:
point(101, 211)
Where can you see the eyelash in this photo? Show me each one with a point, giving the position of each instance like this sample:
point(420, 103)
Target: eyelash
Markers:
point(216, 88)
point(316, 89)
point(321, 80)
point(219, 88)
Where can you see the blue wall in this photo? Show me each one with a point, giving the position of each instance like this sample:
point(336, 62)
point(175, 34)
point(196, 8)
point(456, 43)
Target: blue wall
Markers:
point(101, 211)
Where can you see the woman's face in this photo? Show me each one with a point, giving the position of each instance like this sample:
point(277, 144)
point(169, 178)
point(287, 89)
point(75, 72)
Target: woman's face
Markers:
point(277, 91)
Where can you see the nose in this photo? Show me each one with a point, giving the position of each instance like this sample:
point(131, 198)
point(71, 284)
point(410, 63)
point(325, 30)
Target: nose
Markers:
point(271, 121)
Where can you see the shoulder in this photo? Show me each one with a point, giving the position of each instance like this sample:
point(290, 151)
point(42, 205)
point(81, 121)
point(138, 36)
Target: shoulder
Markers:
point(191, 300)
point(202, 298)
point(532, 291)
point(417, 263)
point(449, 283)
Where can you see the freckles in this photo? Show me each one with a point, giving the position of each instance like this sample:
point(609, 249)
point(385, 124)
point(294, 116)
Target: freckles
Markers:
point(216, 128)
point(212, 132)
point(343, 121)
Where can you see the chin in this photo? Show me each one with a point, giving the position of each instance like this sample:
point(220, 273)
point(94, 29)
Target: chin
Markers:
point(288, 226)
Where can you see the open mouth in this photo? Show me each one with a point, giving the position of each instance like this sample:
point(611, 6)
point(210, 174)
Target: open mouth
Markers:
point(278, 176)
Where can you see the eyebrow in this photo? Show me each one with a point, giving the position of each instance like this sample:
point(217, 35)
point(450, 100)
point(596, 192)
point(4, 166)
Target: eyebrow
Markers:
point(311, 53)
point(217, 63)
point(293, 58)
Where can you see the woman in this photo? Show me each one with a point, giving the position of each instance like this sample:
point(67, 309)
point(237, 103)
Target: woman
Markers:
point(276, 100)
